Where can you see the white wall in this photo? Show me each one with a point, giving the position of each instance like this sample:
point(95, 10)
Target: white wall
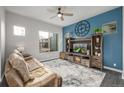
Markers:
point(2, 41)
point(31, 40)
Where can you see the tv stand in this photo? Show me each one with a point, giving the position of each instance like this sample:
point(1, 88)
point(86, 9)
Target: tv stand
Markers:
point(79, 58)
point(94, 58)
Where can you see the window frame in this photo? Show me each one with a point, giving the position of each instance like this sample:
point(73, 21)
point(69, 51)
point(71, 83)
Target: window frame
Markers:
point(22, 31)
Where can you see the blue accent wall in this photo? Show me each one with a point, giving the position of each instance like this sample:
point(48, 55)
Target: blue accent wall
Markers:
point(112, 42)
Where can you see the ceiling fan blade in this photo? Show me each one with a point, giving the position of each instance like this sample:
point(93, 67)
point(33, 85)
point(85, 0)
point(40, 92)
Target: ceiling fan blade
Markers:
point(53, 17)
point(62, 19)
point(67, 14)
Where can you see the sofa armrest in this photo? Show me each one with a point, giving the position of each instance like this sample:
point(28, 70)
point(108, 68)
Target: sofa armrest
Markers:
point(58, 81)
point(13, 79)
point(26, 55)
point(28, 58)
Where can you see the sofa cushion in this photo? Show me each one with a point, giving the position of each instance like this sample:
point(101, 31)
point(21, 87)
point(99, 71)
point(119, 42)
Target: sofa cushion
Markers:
point(41, 80)
point(38, 72)
point(33, 64)
point(20, 65)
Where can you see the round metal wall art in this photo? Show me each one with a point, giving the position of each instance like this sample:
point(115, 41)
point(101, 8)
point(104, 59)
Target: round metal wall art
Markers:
point(82, 28)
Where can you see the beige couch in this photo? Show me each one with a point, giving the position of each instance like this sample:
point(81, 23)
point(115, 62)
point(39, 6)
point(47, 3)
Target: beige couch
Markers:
point(26, 71)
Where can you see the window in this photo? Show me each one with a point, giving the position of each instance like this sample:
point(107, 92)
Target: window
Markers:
point(43, 35)
point(19, 31)
point(48, 41)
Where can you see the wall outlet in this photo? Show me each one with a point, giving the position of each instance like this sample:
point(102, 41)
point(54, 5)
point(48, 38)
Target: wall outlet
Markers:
point(114, 64)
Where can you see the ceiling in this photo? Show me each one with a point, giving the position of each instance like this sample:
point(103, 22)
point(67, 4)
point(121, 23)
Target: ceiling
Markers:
point(45, 12)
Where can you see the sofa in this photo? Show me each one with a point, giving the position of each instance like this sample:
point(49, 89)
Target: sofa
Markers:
point(23, 70)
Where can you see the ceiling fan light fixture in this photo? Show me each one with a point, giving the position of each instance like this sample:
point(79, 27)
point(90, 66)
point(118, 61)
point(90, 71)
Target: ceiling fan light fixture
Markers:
point(59, 15)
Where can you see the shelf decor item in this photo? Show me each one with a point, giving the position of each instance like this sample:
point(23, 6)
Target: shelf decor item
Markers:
point(97, 40)
point(82, 28)
point(97, 30)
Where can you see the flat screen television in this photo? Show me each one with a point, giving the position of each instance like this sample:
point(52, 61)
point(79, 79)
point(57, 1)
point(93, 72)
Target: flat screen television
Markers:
point(80, 48)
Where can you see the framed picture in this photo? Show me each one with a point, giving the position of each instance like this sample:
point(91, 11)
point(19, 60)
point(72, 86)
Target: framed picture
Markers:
point(109, 28)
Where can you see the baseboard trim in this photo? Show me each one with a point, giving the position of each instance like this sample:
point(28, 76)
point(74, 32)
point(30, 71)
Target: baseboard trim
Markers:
point(49, 60)
point(113, 69)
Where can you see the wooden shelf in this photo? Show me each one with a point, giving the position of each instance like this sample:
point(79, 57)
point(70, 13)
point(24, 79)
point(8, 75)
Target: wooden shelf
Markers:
point(91, 60)
point(81, 40)
point(78, 58)
point(78, 54)
point(97, 61)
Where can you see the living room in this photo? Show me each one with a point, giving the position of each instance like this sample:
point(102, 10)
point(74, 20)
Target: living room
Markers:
point(61, 37)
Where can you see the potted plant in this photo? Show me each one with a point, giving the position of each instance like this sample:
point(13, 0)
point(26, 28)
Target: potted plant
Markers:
point(97, 31)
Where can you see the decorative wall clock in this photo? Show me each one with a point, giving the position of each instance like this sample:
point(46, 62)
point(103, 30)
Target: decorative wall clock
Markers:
point(82, 28)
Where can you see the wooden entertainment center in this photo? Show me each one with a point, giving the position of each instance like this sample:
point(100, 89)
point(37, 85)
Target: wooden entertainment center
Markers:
point(84, 51)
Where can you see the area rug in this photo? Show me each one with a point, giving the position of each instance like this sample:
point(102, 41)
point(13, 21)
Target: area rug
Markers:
point(75, 75)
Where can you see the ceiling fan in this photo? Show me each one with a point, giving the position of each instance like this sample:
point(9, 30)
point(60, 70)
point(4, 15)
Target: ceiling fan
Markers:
point(61, 14)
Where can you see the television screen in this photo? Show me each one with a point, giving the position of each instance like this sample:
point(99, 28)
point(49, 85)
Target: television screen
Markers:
point(80, 48)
